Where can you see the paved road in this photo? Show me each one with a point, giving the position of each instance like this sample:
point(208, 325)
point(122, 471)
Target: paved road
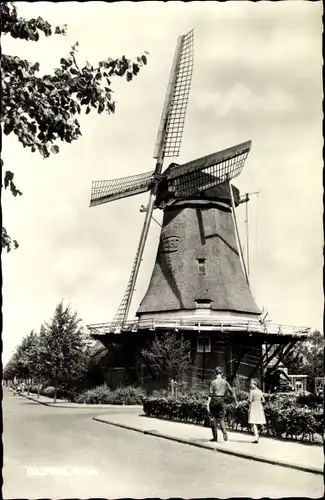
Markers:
point(62, 453)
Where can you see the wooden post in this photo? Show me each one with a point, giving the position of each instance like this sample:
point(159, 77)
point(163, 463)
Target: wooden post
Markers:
point(55, 390)
point(203, 361)
point(262, 371)
point(247, 235)
point(229, 357)
point(237, 233)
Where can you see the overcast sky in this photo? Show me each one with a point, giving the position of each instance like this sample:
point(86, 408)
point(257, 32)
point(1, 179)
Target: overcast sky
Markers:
point(257, 76)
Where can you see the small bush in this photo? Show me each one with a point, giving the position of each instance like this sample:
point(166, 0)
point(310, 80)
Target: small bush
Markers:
point(281, 399)
point(48, 392)
point(192, 393)
point(98, 395)
point(310, 400)
point(69, 394)
point(241, 395)
point(120, 396)
point(33, 389)
point(160, 393)
point(127, 396)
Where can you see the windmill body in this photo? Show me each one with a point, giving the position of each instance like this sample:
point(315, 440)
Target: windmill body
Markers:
point(198, 272)
point(199, 284)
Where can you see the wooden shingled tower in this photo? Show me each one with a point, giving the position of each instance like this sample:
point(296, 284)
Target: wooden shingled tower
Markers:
point(199, 284)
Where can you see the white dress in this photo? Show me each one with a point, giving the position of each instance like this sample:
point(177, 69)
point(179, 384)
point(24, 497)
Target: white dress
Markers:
point(256, 412)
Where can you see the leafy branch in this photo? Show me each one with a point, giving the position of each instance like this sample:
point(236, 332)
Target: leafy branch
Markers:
point(43, 110)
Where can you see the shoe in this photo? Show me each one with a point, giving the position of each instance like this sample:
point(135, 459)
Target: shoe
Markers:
point(214, 440)
point(255, 442)
point(225, 436)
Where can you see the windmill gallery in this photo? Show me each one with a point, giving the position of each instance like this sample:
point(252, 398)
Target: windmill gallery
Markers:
point(199, 285)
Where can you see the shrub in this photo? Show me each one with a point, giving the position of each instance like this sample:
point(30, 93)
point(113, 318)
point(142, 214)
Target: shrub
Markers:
point(127, 396)
point(33, 389)
point(310, 400)
point(194, 393)
point(104, 395)
point(69, 394)
point(48, 391)
point(282, 399)
point(157, 393)
point(241, 395)
point(319, 420)
point(97, 395)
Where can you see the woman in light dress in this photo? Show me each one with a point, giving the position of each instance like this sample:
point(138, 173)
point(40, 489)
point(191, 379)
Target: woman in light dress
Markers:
point(256, 414)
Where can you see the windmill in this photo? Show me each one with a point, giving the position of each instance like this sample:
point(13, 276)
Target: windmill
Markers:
point(181, 180)
point(200, 281)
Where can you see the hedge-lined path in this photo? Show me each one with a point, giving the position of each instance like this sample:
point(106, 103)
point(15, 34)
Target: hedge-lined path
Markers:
point(300, 456)
point(61, 403)
point(63, 453)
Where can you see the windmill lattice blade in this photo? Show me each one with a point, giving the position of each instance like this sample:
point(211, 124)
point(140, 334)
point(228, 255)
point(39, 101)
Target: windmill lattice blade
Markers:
point(209, 171)
point(178, 105)
point(115, 189)
point(120, 316)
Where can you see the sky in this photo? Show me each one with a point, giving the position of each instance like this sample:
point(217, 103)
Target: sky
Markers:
point(257, 76)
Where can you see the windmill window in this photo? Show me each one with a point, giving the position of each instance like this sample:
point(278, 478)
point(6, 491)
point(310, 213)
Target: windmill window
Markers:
point(203, 303)
point(201, 266)
point(204, 344)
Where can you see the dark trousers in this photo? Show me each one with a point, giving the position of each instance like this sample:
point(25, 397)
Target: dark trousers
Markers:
point(218, 412)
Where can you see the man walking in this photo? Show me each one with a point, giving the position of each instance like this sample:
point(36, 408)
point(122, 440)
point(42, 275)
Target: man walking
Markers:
point(216, 403)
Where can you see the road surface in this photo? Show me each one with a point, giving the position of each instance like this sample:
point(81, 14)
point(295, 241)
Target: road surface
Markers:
point(63, 453)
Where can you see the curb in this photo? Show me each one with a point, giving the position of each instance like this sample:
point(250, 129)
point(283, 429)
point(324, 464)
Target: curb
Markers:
point(256, 458)
point(36, 400)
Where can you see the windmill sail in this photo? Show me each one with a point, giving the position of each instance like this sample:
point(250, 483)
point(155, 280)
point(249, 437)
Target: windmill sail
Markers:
point(119, 317)
point(105, 191)
point(174, 112)
point(168, 144)
point(208, 171)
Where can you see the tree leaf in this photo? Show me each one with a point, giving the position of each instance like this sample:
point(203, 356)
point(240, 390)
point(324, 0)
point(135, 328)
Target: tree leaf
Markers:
point(55, 149)
point(8, 126)
point(43, 150)
point(8, 178)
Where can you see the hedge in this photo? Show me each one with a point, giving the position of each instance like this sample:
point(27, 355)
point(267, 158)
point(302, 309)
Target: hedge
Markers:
point(284, 418)
point(47, 391)
point(99, 395)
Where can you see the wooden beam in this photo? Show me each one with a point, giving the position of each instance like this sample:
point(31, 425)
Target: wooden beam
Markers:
point(241, 355)
point(264, 356)
point(264, 361)
point(284, 353)
point(278, 351)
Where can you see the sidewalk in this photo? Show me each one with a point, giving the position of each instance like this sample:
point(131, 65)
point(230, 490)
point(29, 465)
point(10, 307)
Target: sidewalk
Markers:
point(61, 403)
point(305, 457)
